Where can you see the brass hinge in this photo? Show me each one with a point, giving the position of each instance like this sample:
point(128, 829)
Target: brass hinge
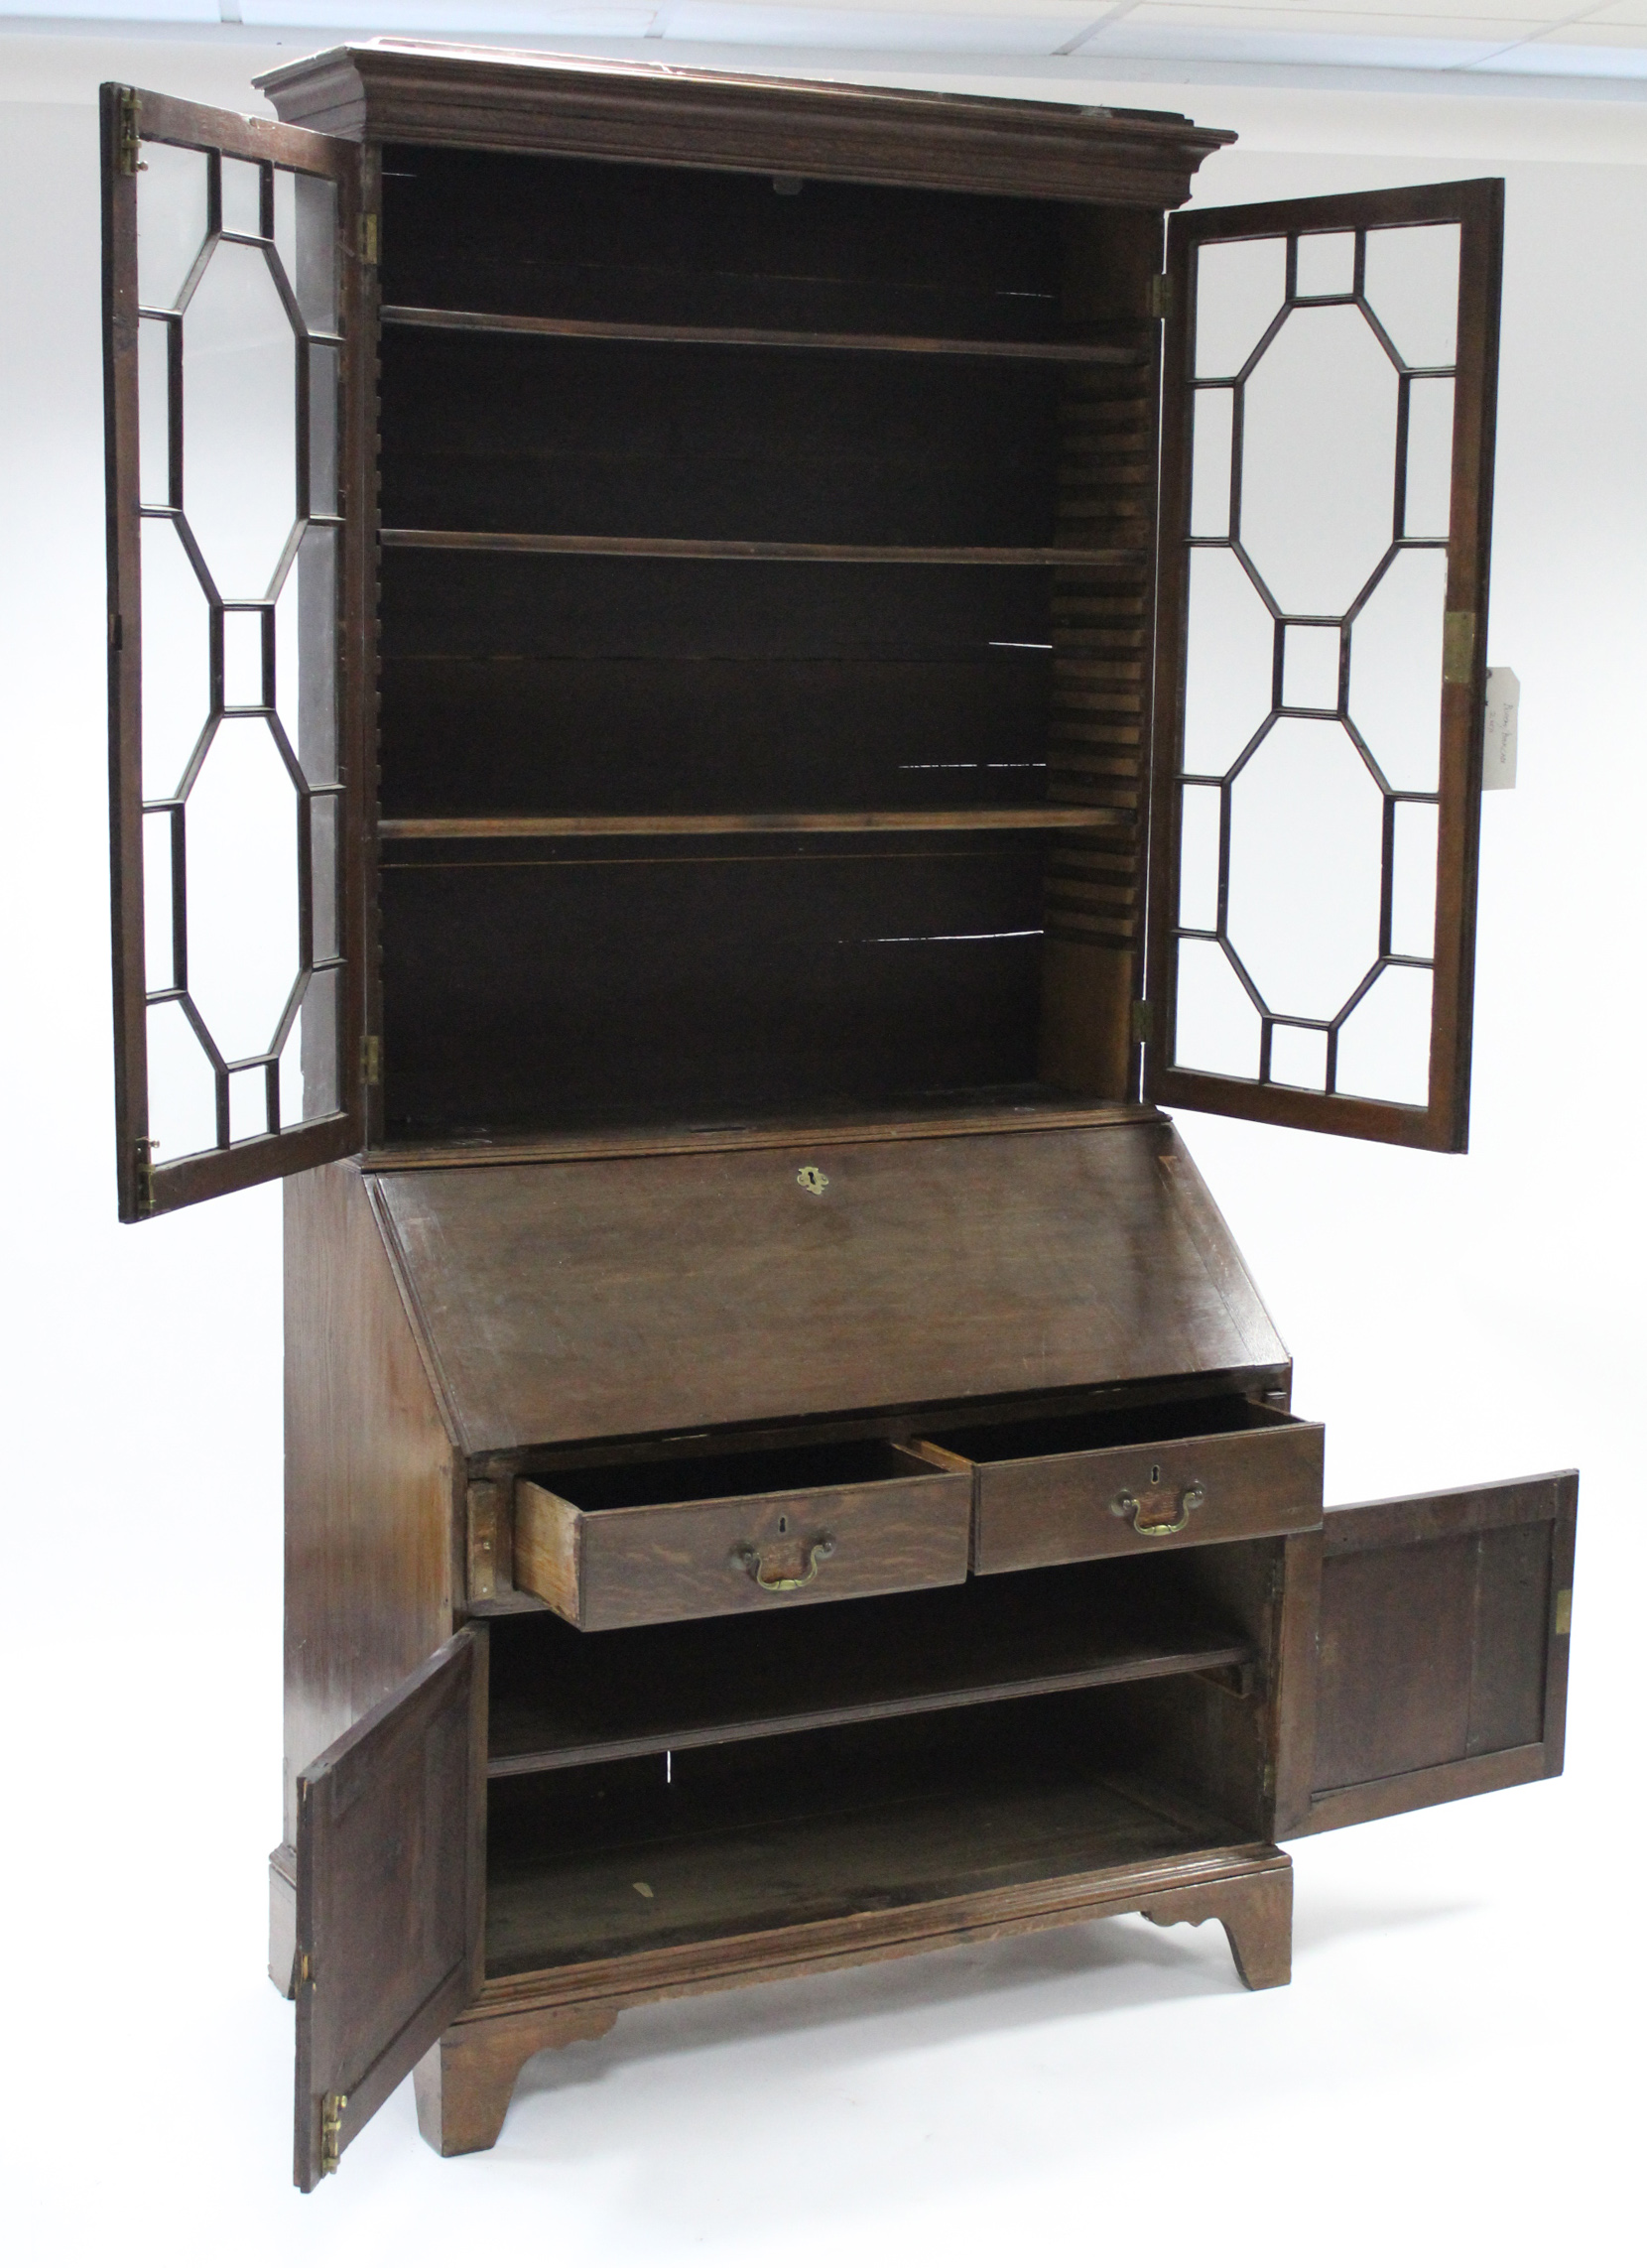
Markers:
point(1457, 649)
point(1143, 1023)
point(332, 2107)
point(1159, 300)
point(1564, 1613)
point(1269, 1780)
point(126, 157)
point(369, 238)
point(306, 1969)
point(371, 1059)
point(145, 1146)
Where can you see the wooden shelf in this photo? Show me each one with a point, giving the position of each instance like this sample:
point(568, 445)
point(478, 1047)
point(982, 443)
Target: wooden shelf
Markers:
point(561, 1698)
point(1011, 818)
point(709, 334)
point(725, 1863)
point(708, 548)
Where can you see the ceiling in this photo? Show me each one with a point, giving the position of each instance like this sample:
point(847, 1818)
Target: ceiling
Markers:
point(1464, 39)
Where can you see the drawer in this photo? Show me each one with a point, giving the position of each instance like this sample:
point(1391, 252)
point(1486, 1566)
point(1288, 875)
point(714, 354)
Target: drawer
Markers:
point(1139, 1480)
point(616, 1545)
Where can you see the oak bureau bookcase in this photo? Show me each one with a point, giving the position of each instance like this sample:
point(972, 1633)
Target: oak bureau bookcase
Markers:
point(719, 688)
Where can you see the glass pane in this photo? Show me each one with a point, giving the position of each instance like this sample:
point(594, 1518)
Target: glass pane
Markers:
point(1230, 662)
point(323, 815)
point(244, 659)
point(1217, 1028)
point(1384, 1042)
point(183, 1090)
point(1395, 671)
point(1310, 666)
point(176, 659)
point(324, 403)
point(239, 421)
point(1198, 852)
point(1413, 881)
point(1298, 1057)
point(154, 415)
point(248, 1103)
point(1428, 458)
point(1239, 290)
point(241, 823)
point(159, 969)
point(1325, 265)
point(242, 196)
point(308, 1087)
point(314, 272)
point(306, 654)
point(1412, 286)
point(1317, 460)
point(1306, 868)
point(170, 221)
point(1214, 411)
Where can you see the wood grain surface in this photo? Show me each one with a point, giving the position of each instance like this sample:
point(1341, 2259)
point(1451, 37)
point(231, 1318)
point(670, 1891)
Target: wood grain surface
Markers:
point(627, 1296)
point(610, 1568)
point(1042, 1499)
point(373, 1490)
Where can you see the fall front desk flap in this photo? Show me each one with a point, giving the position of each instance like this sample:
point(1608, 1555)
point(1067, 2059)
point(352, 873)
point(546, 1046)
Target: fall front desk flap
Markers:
point(571, 1300)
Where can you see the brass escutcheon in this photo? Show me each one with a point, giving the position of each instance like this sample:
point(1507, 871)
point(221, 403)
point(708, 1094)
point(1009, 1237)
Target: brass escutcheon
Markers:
point(811, 1181)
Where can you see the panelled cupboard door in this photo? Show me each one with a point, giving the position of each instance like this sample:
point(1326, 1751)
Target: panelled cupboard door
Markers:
point(236, 577)
point(1439, 1643)
point(391, 1895)
point(1330, 377)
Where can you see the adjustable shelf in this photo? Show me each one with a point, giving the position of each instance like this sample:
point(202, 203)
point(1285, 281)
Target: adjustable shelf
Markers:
point(732, 548)
point(711, 335)
point(979, 818)
point(562, 1697)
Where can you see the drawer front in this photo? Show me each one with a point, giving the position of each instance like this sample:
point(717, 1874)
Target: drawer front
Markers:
point(1087, 1504)
point(748, 1554)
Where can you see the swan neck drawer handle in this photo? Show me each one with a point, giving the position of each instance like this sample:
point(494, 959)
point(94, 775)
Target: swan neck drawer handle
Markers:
point(749, 1560)
point(1127, 1506)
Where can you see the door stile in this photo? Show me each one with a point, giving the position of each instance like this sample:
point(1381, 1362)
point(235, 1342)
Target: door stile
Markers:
point(125, 630)
point(1465, 695)
point(362, 302)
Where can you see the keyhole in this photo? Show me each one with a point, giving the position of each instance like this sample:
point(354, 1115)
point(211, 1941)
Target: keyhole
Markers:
point(1155, 1474)
point(783, 1524)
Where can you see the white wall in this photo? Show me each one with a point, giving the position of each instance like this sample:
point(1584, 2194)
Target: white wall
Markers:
point(1441, 2081)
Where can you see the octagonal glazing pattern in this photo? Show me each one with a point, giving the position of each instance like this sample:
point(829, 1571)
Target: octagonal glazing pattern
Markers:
point(239, 395)
point(1322, 442)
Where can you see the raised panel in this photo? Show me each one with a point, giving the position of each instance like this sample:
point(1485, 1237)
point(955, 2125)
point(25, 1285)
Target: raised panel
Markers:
point(1433, 1631)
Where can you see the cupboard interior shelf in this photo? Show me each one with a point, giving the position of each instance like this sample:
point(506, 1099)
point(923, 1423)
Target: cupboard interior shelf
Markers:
point(715, 548)
point(977, 818)
point(563, 1697)
point(867, 1819)
point(712, 335)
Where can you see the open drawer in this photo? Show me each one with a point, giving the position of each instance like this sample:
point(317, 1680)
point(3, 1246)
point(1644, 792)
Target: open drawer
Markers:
point(618, 1545)
point(1051, 1490)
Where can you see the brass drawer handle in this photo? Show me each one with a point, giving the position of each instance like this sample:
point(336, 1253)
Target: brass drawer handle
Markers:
point(749, 1560)
point(1126, 1506)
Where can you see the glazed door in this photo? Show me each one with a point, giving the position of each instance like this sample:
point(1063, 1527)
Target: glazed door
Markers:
point(1327, 474)
point(1428, 1655)
point(391, 1895)
point(231, 295)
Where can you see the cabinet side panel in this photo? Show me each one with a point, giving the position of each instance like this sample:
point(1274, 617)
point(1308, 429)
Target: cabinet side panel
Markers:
point(373, 1490)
